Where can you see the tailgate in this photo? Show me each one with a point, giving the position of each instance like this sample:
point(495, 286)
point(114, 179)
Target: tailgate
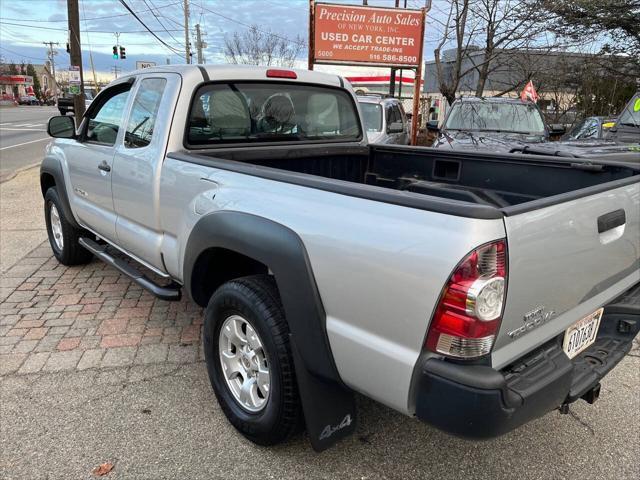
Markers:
point(566, 261)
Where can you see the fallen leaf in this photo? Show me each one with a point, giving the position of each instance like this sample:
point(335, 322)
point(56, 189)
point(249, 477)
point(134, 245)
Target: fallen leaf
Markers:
point(103, 469)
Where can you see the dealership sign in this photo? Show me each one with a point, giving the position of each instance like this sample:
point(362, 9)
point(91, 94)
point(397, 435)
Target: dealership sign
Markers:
point(345, 34)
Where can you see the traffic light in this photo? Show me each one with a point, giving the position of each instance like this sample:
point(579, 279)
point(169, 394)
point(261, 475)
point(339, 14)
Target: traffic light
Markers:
point(123, 53)
point(115, 52)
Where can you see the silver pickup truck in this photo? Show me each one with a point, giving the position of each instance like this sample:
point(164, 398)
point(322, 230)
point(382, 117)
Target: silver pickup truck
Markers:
point(474, 291)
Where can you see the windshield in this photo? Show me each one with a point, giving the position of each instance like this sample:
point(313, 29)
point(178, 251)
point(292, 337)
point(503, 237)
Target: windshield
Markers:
point(371, 116)
point(262, 112)
point(630, 116)
point(504, 117)
point(587, 128)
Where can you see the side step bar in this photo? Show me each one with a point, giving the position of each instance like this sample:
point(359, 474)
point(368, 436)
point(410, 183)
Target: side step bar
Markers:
point(170, 292)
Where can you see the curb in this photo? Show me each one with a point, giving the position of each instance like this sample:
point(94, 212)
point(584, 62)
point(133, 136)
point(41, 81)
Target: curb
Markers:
point(12, 175)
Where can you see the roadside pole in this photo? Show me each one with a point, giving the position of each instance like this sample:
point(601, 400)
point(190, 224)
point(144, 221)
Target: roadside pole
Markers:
point(417, 85)
point(199, 44)
point(187, 48)
point(76, 56)
point(312, 9)
point(52, 53)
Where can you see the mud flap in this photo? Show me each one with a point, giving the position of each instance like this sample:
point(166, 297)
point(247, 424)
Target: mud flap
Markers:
point(329, 407)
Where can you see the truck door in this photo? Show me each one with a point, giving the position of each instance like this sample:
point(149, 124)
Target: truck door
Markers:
point(90, 160)
point(137, 165)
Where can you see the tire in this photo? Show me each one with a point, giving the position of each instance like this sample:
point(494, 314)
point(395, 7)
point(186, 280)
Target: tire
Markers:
point(69, 251)
point(256, 300)
point(62, 111)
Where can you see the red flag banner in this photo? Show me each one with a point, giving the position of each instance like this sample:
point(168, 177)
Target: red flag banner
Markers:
point(529, 93)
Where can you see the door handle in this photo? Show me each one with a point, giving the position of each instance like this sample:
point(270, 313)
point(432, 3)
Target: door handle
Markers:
point(104, 166)
point(611, 220)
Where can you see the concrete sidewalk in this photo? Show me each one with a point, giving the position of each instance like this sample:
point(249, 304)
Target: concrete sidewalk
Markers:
point(22, 225)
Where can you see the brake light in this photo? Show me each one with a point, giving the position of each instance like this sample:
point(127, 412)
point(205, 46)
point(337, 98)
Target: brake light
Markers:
point(277, 73)
point(470, 307)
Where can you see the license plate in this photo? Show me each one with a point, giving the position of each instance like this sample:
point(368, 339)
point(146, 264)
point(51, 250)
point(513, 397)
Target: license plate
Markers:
point(581, 334)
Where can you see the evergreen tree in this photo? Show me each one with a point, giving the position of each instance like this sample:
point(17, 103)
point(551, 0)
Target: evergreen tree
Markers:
point(31, 71)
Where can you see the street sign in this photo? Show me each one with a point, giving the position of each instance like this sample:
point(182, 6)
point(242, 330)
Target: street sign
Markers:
point(375, 36)
point(140, 65)
point(74, 74)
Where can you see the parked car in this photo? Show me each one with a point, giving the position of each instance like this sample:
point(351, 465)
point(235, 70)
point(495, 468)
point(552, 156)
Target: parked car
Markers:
point(619, 139)
point(65, 103)
point(494, 124)
point(592, 128)
point(28, 100)
point(627, 127)
point(329, 266)
point(384, 119)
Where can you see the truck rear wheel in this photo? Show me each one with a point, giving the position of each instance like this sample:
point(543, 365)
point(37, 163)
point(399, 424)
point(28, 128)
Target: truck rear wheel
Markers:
point(63, 236)
point(248, 356)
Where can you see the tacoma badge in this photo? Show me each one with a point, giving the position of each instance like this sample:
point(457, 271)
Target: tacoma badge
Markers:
point(533, 319)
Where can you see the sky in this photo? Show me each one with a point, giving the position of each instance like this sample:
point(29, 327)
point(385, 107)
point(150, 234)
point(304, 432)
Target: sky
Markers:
point(26, 24)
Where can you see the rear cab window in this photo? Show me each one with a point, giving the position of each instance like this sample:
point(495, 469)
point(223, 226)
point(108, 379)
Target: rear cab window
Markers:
point(258, 112)
point(371, 116)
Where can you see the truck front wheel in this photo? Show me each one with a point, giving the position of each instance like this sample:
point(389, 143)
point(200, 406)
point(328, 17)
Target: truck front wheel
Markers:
point(248, 356)
point(63, 237)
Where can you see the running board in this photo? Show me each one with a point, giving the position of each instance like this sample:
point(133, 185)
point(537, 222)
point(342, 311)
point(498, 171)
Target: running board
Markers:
point(170, 292)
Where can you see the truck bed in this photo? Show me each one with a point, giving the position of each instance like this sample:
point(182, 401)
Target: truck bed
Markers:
point(504, 184)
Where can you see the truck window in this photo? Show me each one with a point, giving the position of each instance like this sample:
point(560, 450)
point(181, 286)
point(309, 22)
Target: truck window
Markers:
point(630, 116)
point(372, 116)
point(144, 112)
point(104, 121)
point(393, 116)
point(250, 112)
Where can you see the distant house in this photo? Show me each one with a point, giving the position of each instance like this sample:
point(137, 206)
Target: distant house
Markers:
point(48, 83)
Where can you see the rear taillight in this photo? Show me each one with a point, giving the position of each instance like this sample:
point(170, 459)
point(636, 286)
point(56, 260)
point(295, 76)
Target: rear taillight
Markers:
point(470, 307)
point(278, 73)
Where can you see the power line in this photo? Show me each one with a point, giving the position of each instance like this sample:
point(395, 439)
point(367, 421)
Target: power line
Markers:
point(161, 24)
point(252, 26)
point(23, 56)
point(88, 19)
point(124, 4)
point(64, 29)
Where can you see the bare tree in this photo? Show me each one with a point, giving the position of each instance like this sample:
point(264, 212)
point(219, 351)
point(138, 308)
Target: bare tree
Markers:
point(484, 33)
point(506, 25)
point(262, 47)
point(456, 27)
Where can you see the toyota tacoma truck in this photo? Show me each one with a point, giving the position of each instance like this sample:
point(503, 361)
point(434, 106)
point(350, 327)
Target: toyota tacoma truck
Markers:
point(474, 291)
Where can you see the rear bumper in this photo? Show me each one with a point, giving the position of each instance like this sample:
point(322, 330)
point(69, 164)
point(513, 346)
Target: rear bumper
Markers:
point(476, 401)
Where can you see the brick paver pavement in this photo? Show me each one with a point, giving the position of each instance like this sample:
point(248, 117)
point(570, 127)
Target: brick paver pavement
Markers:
point(56, 318)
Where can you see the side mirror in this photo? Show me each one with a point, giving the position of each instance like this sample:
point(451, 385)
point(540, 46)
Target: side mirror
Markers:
point(433, 126)
point(61, 127)
point(557, 129)
point(396, 127)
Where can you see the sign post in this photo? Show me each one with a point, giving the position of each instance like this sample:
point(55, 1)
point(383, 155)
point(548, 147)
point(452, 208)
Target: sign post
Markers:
point(142, 64)
point(368, 36)
point(74, 80)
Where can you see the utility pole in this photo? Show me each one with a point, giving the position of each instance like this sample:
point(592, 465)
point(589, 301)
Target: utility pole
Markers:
point(52, 53)
point(76, 55)
point(187, 49)
point(199, 44)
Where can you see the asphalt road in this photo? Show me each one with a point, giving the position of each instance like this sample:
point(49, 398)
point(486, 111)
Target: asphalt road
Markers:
point(23, 136)
point(163, 422)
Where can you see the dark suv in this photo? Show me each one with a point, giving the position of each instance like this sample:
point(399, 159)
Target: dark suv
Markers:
point(496, 124)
